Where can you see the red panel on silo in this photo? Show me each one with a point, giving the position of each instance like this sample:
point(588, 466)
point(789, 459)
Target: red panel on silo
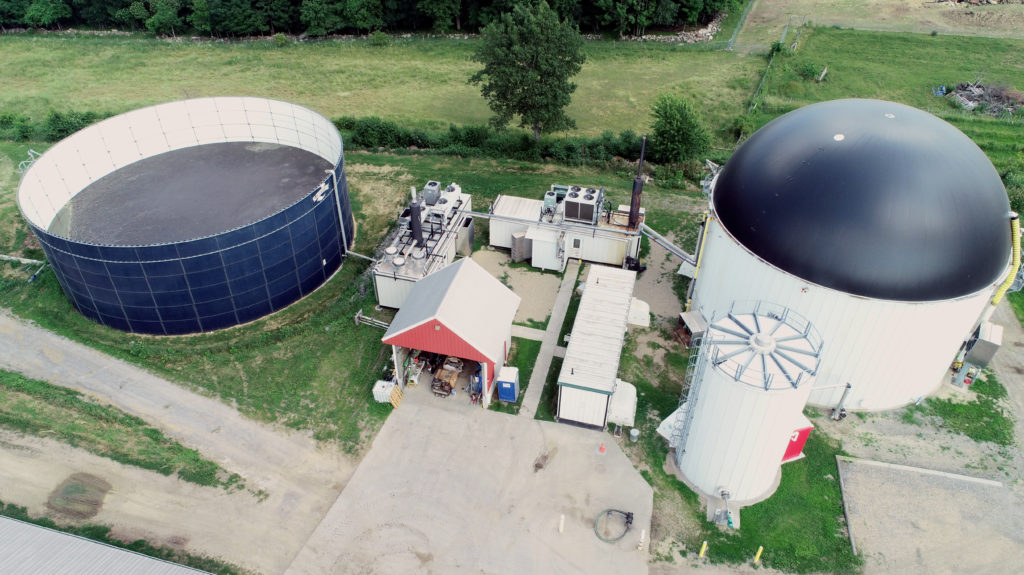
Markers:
point(795, 449)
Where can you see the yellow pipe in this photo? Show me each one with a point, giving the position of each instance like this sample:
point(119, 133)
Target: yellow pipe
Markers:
point(1015, 265)
point(700, 254)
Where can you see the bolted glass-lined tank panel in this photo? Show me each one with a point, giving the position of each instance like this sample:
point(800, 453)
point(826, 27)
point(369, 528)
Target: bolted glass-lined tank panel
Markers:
point(240, 212)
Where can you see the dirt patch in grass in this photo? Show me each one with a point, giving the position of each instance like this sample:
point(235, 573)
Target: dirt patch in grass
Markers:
point(80, 496)
point(768, 18)
point(537, 289)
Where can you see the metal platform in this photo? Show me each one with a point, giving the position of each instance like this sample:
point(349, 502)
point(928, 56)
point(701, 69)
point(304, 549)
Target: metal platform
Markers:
point(190, 193)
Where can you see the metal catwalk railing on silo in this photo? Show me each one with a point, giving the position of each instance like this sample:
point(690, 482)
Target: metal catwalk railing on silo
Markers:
point(691, 390)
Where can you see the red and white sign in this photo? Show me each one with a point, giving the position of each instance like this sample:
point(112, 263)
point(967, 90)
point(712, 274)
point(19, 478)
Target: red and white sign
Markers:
point(795, 449)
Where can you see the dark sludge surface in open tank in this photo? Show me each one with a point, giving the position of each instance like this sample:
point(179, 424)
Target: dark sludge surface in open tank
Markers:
point(190, 193)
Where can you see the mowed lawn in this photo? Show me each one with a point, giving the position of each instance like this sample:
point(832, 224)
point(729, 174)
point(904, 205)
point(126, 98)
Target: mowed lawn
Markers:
point(903, 68)
point(415, 81)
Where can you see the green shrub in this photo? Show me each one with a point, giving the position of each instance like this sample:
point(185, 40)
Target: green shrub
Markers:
point(59, 125)
point(17, 127)
point(281, 40)
point(374, 132)
point(379, 38)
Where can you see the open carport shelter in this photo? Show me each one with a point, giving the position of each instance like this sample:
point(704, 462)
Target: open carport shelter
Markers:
point(460, 311)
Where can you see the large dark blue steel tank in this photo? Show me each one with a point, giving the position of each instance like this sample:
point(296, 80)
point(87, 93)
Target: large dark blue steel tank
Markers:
point(871, 198)
point(192, 216)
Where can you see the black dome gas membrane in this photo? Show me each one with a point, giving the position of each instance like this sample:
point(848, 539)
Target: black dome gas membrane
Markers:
point(871, 198)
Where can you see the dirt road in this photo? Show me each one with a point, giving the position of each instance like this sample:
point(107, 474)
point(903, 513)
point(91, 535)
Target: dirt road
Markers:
point(301, 480)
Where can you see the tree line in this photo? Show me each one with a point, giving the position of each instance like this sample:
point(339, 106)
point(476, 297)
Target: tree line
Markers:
point(234, 18)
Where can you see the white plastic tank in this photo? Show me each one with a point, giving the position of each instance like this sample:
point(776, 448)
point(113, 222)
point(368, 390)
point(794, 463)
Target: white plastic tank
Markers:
point(883, 225)
point(756, 368)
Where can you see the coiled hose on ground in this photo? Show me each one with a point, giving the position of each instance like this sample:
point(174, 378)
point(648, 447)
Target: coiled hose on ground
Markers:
point(628, 516)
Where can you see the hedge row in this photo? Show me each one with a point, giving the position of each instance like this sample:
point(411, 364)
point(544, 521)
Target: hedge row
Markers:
point(56, 126)
point(374, 133)
point(485, 141)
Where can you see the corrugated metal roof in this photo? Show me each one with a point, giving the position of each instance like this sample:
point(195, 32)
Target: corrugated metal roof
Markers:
point(467, 300)
point(28, 549)
point(513, 207)
point(592, 356)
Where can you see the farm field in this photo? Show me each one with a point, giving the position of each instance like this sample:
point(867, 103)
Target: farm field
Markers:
point(414, 81)
point(904, 68)
point(768, 18)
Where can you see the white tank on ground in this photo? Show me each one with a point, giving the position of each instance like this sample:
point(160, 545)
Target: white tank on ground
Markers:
point(756, 368)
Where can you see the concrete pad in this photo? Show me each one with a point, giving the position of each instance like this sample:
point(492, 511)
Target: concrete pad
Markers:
point(907, 520)
point(450, 488)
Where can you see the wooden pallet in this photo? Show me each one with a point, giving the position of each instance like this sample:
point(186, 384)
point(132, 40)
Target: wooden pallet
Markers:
point(396, 397)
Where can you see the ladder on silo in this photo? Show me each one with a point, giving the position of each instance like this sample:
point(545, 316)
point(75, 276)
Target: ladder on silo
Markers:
point(691, 391)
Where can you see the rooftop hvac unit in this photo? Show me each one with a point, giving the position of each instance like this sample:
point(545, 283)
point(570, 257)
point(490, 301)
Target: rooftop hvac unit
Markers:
point(583, 205)
point(550, 201)
point(431, 192)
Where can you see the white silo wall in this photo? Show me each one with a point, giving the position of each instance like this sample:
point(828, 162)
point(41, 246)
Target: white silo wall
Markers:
point(891, 352)
point(738, 436)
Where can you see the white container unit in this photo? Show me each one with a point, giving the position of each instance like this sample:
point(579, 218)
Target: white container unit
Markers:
point(883, 225)
point(756, 369)
point(588, 380)
point(520, 213)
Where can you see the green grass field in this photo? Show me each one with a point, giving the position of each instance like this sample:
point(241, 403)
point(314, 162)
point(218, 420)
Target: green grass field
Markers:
point(38, 408)
point(414, 81)
point(983, 418)
point(903, 68)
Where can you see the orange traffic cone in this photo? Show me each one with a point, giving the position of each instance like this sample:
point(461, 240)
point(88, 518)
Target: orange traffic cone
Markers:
point(601, 449)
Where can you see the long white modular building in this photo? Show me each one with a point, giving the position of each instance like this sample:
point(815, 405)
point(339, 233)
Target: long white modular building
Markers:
point(571, 222)
point(587, 383)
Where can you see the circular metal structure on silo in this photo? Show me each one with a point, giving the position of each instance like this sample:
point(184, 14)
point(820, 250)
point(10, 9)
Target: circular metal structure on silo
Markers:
point(756, 368)
point(194, 215)
point(885, 226)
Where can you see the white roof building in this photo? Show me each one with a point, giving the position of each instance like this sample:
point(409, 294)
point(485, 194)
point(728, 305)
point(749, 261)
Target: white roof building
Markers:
point(29, 549)
point(588, 377)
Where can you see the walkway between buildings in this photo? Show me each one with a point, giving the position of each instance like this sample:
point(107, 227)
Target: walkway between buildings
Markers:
point(547, 347)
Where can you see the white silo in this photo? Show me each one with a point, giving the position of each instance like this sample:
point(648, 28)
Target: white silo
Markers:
point(755, 371)
point(883, 225)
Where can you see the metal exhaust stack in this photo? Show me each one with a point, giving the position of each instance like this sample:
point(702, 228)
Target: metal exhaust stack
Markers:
point(416, 220)
point(638, 188)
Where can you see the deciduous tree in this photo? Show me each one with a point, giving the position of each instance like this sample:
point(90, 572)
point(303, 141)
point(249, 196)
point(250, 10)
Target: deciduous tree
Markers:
point(529, 57)
point(678, 133)
point(45, 13)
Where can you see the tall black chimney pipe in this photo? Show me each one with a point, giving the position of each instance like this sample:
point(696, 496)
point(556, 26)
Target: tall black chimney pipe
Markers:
point(416, 223)
point(638, 188)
